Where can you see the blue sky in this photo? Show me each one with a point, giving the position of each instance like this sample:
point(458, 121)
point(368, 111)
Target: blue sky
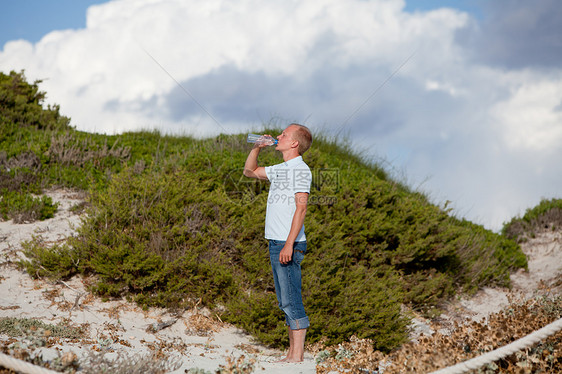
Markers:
point(459, 99)
point(32, 19)
point(469, 6)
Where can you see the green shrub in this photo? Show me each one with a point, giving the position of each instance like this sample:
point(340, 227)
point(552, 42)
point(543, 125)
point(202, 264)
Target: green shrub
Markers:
point(58, 261)
point(21, 105)
point(153, 240)
point(23, 207)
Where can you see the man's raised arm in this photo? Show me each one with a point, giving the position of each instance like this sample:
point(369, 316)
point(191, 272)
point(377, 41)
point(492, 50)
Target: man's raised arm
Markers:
point(251, 168)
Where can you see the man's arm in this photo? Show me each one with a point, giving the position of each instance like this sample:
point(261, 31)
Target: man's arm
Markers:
point(251, 168)
point(301, 200)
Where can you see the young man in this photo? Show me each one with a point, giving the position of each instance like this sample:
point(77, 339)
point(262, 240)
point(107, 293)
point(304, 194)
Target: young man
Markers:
point(284, 226)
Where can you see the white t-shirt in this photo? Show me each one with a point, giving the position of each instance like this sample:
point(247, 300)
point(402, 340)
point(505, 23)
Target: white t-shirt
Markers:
point(287, 178)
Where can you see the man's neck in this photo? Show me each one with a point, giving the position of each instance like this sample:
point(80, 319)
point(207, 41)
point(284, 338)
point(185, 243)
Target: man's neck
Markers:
point(289, 155)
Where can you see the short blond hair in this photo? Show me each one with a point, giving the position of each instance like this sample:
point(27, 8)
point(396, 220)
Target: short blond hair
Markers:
point(303, 136)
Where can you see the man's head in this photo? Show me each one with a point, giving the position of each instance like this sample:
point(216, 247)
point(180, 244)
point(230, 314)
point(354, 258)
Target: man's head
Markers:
point(302, 135)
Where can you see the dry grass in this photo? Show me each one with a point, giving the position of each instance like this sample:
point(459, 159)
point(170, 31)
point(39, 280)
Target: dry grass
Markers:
point(202, 325)
point(466, 340)
point(67, 149)
point(101, 362)
point(26, 159)
point(240, 365)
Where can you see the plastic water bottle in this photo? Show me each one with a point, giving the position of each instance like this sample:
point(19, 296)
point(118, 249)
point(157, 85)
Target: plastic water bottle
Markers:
point(261, 139)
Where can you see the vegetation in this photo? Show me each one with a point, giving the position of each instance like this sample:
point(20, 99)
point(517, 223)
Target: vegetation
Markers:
point(455, 343)
point(39, 149)
point(545, 216)
point(31, 335)
point(171, 220)
point(22, 326)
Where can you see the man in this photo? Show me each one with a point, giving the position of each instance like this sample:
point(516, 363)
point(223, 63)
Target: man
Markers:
point(284, 226)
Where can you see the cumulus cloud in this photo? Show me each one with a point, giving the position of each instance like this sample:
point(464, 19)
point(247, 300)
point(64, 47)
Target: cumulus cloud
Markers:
point(289, 58)
point(531, 118)
point(423, 90)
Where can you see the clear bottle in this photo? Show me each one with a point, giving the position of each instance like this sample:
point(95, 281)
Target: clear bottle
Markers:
point(261, 139)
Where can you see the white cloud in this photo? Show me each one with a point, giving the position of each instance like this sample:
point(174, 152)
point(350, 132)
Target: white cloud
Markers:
point(432, 85)
point(531, 118)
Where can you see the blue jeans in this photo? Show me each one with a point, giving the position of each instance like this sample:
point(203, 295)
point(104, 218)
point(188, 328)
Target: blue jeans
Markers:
point(287, 278)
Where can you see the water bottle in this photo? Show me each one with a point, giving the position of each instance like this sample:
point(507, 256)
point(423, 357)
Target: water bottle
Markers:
point(261, 139)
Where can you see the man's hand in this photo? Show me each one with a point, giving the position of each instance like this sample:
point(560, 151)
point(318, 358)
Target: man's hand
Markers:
point(263, 145)
point(286, 254)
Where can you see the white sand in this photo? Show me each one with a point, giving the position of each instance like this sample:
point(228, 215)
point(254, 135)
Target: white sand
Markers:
point(544, 256)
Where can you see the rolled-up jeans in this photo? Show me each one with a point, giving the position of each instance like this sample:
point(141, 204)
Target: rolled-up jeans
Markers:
point(287, 278)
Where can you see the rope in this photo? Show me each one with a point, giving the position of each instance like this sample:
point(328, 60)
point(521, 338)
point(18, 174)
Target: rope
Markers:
point(25, 367)
point(504, 351)
point(22, 367)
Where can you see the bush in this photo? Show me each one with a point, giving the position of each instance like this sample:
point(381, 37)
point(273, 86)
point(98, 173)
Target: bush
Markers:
point(21, 105)
point(58, 261)
point(23, 207)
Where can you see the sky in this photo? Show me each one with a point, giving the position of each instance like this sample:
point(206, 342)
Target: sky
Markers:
point(460, 100)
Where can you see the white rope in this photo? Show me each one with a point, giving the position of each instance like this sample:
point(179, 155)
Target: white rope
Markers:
point(22, 367)
point(25, 367)
point(504, 351)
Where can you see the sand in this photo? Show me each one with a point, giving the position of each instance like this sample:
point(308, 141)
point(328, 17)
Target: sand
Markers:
point(544, 256)
point(196, 338)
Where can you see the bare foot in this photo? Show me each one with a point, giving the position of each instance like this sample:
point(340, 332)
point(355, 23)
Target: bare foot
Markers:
point(293, 360)
point(290, 359)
